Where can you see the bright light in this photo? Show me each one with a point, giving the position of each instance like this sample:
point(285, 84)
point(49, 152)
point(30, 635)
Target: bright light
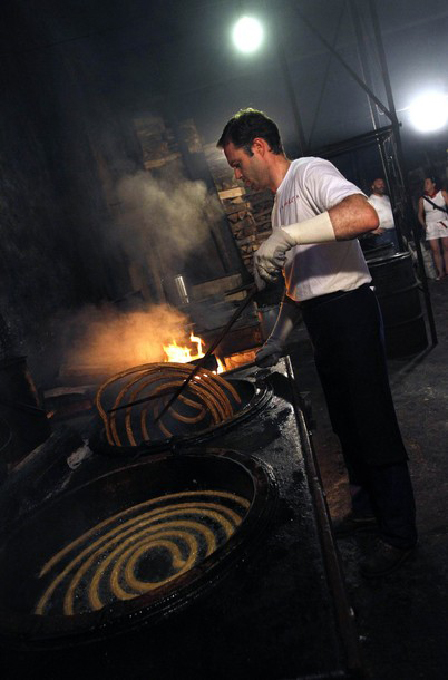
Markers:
point(248, 34)
point(429, 112)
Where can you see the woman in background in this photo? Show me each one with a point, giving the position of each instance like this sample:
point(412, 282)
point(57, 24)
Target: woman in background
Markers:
point(433, 216)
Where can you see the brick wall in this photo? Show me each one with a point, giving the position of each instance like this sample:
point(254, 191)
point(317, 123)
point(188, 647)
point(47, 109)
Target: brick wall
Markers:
point(248, 212)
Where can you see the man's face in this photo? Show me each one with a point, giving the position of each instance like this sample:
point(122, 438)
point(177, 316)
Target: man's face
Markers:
point(429, 186)
point(378, 187)
point(252, 170)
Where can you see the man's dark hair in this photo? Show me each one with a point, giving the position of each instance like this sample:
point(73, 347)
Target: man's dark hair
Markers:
point(247, 124)
point(374, 180)
point(433, 179)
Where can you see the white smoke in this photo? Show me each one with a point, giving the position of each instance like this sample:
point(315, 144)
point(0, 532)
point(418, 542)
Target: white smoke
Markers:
point(168, 214)
point(105, 340)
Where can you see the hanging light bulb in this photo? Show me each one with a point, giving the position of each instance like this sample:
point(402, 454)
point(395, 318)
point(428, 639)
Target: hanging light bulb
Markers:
point(429, 112)
point(248, 34)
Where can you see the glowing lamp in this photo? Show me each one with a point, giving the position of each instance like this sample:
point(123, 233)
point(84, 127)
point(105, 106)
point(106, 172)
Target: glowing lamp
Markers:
point(429, 112)
point(247, 34)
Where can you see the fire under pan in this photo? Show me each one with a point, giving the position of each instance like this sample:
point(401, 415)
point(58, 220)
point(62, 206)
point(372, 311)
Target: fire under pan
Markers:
point(132, 546)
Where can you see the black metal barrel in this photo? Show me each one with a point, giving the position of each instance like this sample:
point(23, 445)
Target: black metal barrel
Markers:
point(399, 298)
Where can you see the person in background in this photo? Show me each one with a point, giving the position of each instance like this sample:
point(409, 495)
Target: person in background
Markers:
point(433, 217)
point(316, 219)
point(381, 202)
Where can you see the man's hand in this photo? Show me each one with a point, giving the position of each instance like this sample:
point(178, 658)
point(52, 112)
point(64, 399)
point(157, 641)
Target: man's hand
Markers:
point(270, 257)
point(275, 345)
point(270, 353)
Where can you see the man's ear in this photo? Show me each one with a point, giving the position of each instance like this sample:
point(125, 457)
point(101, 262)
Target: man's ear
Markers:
point(260, 146)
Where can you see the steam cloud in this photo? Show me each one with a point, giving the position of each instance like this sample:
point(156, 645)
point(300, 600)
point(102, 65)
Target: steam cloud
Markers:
point(162, 219)
point(167, 214)
point(109, 341)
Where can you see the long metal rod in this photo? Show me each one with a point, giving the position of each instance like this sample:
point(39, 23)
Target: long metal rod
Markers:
point(343, 609)
point(325, 78)
point(363, 60)
point(237, 313)
point(355, 142)
point(383, 61)
point(22, 407)
point(348, 68)
point(292, 99)
point(367, 75)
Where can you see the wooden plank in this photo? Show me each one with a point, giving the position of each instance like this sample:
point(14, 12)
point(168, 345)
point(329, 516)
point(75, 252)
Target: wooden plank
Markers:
point(216, 287)
point(231, 193)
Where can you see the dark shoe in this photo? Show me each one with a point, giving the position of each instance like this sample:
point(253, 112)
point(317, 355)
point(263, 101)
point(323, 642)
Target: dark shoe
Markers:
point(384, 559)
point(352, 524)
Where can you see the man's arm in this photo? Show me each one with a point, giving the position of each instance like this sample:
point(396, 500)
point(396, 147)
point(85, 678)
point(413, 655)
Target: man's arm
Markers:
point(347, 220)
point(421, 217)
point(372, 203)
point(274, 346)
point(352, 217)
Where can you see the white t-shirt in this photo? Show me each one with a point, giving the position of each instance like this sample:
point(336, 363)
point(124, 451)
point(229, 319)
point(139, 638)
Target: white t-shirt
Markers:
point(384, 210)
point(310, 187)
point(432, 215)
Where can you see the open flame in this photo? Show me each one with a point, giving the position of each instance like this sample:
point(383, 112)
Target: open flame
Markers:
point(184, 355)
point(221, 367)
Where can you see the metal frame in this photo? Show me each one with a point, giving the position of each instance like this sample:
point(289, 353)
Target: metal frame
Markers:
point(387, 138)
point(331, 556)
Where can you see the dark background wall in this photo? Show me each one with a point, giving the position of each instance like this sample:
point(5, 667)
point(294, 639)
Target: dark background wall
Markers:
point(60, 144)
point(68, 138)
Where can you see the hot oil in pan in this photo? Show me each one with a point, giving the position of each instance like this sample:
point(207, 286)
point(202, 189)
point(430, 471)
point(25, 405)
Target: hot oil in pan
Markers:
point(139, 550)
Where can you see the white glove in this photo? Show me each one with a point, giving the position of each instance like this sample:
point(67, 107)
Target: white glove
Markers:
point(274, 346)
point(259, 282)
point(270, 353)
point(271, 255)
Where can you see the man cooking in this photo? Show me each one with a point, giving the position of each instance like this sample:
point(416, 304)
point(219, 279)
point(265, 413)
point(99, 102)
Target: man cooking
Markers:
point(316, 219)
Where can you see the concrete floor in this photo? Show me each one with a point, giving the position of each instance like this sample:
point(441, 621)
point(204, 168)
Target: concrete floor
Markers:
point(403, 618)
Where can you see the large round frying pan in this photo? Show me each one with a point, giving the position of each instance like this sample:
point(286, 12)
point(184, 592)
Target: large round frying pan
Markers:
point(131, 546)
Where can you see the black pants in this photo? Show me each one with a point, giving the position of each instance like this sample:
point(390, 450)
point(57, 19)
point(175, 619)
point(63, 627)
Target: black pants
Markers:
point(347, 335)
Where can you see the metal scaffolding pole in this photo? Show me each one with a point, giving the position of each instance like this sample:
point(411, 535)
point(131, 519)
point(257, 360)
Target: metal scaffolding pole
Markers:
point(365, 70)
point(401, 165)
point(292, 99)
point(391, 113)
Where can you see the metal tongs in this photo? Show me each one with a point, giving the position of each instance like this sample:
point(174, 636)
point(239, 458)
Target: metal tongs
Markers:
point(237, 313)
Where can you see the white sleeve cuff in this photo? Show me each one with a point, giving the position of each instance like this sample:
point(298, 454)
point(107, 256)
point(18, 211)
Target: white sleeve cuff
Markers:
point(316, 230)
